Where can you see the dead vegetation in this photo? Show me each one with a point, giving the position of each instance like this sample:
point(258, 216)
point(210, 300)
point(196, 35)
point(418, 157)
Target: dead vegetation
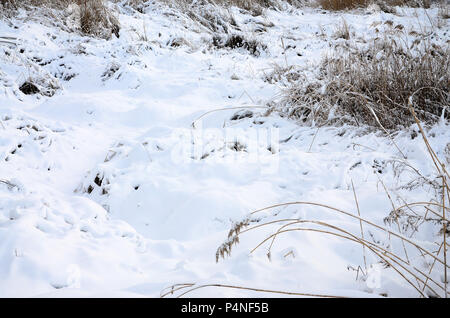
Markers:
point(255, 7)
point(407, 260)
point(410, 3)
point(371, 85)
point(95, 17)
point(385, 5)
point(14, 4)
point(97, 20)
point(336, 5)
point(342, 30)
point(28, 88)
point(237, 41)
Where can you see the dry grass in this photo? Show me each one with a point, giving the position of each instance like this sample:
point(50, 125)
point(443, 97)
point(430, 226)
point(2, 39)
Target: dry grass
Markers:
point(97, 20)
point(410, 3)
point(14, 4)
point(337, 5)
point(342, 30)
point(215, 16)
point(7, 3)
point(444, 12)
point(95, 17)
point(371, 86)
point(237, 41)
point(187, 288)
point(409, 267)
point(399, 261)
point(256, 7)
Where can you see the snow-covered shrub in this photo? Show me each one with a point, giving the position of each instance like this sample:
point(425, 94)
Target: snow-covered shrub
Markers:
point(342, 4)
point(355, 84)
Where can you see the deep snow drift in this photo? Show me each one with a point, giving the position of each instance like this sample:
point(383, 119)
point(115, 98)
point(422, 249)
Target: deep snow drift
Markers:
point(108, 189)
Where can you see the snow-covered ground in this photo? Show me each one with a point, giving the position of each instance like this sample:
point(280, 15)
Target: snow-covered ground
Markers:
point(113, 186)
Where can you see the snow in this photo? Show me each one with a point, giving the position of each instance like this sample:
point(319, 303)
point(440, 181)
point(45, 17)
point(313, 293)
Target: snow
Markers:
point(112, 192)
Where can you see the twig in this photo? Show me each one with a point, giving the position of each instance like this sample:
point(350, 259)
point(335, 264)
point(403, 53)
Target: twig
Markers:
point(396, 217)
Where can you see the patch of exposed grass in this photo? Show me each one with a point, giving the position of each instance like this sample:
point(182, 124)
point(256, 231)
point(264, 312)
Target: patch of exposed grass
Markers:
point(339, 5)
point(336, 5)
point(95, 18)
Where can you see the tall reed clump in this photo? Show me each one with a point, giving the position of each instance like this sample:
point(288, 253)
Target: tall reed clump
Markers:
point(97, 20)
point(371, 85)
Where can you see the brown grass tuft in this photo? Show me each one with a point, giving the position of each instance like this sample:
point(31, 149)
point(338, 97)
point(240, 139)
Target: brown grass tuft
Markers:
point(422, 281)
point(356, 84)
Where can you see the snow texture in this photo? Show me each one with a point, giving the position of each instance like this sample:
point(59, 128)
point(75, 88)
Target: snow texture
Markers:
point(109, 189)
